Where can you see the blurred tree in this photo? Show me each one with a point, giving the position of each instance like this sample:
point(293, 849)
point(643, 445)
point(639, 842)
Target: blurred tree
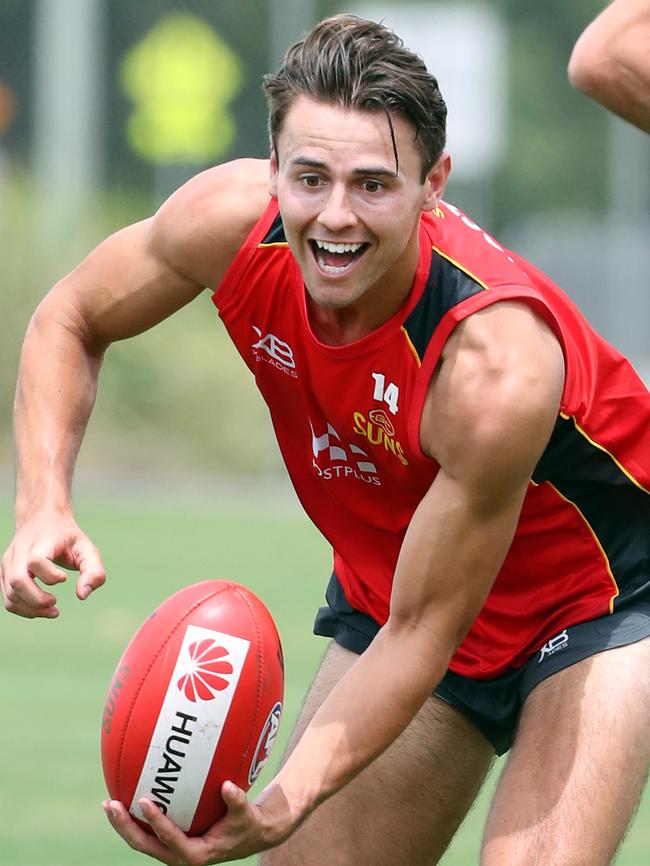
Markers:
point(557, 138)
point(16, 22)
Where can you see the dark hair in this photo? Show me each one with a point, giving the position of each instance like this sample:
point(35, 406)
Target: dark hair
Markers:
point(356, 63)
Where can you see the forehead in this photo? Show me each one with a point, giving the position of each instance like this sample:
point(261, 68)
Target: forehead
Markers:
point(328, 131)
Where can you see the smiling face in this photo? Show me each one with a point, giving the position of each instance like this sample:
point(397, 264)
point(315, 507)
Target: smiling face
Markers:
point(352, 221)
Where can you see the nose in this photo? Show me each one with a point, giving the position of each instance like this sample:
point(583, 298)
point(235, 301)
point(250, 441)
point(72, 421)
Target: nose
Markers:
point(337, 212)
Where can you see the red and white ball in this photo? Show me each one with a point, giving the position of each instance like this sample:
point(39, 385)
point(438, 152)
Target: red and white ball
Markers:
point(196, 699)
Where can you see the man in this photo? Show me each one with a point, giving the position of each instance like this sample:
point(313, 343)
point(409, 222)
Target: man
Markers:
point(610, 61)
point(468, 445)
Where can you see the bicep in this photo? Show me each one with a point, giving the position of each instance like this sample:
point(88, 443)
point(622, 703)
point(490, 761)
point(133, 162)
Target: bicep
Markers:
point(494, 399)
point(123, 287)
point(488, 416)
point(144, 273)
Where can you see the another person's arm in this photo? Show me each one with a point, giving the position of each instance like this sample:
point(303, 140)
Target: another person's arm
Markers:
point(610, 61)
point(488, 416)
point(129, 283)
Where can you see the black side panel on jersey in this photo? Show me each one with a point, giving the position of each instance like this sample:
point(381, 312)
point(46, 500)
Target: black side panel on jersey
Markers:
point(447, 285)
point(616, 509)
point(275, 234)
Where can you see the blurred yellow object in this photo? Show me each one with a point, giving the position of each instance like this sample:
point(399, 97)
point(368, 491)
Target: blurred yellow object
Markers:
point(182, 78)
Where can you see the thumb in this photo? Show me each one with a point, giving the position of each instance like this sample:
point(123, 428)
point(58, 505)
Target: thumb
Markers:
point(92, 573)
point(234, 797)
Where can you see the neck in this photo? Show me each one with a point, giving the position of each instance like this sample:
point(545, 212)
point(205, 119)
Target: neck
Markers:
point(338, 327)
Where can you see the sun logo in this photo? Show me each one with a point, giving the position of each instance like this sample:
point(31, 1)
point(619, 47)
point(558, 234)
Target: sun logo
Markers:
point(381, 419)
point(207, 673)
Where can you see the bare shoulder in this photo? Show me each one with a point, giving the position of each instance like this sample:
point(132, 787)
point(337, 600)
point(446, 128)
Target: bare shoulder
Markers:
point(200, 228)
point(497, 389)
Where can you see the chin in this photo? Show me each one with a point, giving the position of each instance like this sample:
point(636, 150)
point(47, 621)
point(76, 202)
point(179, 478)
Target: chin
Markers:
point(332, 298)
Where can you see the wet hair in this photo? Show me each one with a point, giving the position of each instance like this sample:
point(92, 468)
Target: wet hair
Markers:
point(359, 64)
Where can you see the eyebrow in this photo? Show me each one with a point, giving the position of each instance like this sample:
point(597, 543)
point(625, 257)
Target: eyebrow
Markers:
point(375, 171)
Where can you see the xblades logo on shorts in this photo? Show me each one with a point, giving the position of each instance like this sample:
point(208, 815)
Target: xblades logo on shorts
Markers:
point(557, 643)
point(208, 671)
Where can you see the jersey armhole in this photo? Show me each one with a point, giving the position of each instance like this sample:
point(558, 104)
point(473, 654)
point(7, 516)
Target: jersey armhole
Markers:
point(224, 291)
point(447, 324)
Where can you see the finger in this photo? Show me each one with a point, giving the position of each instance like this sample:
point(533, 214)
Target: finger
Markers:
point(134, 835)
point(28, 612)
point(21, 588)
point(171, 836)
point(47, 571)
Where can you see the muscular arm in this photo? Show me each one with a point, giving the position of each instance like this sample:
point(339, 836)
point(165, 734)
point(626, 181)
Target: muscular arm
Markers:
point(488, 416)
point(611, 60)
point(129, 283)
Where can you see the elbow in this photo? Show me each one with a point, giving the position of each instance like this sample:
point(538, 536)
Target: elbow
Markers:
point(429, 640)
point(57, 325)
point(604, 62)
point(59, 317)
point(588, 71)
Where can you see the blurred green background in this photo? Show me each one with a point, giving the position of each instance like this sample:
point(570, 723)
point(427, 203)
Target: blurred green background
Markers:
point(105, 107)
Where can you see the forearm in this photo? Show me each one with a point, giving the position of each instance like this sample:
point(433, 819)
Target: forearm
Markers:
point(449, 559)
point(56, 391)
point(364, 714)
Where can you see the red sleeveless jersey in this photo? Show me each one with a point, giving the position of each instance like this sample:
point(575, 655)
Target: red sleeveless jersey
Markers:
point(347, 421)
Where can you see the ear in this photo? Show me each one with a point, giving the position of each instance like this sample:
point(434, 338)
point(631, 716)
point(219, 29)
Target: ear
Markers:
point(436, 182)
point(273, 173)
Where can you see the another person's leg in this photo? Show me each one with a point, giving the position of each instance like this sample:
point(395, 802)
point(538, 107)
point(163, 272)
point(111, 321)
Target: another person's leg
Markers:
point(578, 766)
point(404, 809)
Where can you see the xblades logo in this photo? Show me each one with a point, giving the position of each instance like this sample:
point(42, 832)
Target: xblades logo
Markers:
point(559, 642)
point(275, 352)
point(207, 673)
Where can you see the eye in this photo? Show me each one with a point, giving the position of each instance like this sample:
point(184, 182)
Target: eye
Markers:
point(372, 186)
point(310, 180)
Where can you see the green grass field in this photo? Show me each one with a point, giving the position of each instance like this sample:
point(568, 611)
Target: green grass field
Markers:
point(55, 674)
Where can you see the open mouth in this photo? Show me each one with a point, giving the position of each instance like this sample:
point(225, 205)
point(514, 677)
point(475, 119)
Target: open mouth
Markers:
point(337, 258)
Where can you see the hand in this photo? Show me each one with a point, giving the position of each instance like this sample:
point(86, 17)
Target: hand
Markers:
point(244, 830)
point(40, 546)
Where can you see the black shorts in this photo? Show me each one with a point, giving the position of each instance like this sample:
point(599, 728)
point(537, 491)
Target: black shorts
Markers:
point(494, 705)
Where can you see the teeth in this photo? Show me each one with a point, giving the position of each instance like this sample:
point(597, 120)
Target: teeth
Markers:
point(338, 248)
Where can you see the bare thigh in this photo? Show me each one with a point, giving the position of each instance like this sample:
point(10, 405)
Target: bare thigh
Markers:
point(578, 766)
point(402, 810)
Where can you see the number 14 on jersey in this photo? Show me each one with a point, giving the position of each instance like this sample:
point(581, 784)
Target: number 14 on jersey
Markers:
point(388, 394)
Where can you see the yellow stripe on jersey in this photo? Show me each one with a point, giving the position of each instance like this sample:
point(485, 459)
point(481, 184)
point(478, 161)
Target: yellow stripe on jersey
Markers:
point(275, 244)
point(460, 267)
point(414, 351)
point(596, 539)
